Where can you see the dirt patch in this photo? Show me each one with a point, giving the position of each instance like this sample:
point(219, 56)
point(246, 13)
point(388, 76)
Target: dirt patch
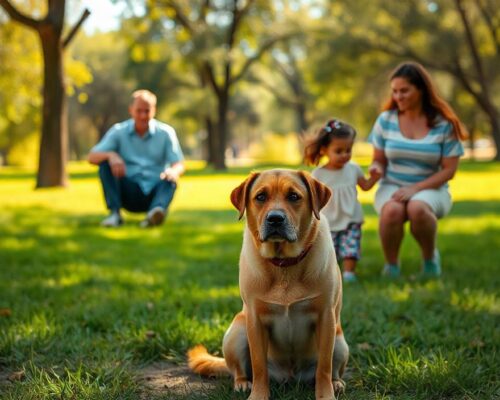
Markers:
point(164, 378)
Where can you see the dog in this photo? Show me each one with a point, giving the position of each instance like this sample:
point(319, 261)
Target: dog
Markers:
point(291, 288)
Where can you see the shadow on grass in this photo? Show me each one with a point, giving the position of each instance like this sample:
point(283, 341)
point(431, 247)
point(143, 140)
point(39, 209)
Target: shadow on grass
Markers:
point(475, 208)
point(208, 171)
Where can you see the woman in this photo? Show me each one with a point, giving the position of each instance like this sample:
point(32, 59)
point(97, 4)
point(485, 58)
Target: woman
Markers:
point(417, 148)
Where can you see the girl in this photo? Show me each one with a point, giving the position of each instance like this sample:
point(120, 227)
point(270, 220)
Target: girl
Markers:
point(343, 212)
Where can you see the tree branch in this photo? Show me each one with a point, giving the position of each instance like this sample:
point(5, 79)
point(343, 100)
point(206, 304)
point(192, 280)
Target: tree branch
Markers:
point(472, 47)
point(493, 29)
point(204, 10)
point(17, 16)
point(280, 97)
point(181, 17)
point(266, 46)
point(208, 73)
point(238, 16)
point(458, 72)
point(75, 28)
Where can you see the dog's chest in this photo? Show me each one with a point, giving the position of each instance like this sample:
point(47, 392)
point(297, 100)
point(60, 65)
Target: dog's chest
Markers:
point(291, 326)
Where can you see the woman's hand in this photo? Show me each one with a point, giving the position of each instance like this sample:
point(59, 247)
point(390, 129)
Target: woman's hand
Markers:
point(376, 171)
point(405, 193)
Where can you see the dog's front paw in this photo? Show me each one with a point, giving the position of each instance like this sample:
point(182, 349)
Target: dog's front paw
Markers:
point(242, 385)
point(338, 386)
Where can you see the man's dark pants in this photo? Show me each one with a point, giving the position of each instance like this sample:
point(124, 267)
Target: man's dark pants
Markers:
point(127, 194)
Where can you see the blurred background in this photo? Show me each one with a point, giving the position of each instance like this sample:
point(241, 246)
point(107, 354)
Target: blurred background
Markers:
point(243, 81)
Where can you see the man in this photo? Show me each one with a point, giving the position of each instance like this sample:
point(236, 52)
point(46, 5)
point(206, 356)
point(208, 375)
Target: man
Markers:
point(140, 161)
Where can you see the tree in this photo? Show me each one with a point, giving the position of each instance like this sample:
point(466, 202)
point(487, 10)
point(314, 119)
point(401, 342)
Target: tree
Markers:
point(54, 141)
point(324, 72)
point(282, 75)
point(210, 38)
point(459, 38)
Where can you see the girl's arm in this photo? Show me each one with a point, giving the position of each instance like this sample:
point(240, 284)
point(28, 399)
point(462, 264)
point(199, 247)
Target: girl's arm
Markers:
point(367, 184)
point(376, 170)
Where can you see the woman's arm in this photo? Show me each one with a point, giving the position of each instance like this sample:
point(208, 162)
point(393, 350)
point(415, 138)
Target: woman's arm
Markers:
point(379, 161)
point(449, 166)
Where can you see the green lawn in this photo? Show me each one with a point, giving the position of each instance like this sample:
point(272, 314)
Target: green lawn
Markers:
point(82, 308)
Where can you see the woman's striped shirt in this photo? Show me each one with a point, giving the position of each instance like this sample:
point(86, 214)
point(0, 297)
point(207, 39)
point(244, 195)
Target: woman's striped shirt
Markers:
point(411, 161)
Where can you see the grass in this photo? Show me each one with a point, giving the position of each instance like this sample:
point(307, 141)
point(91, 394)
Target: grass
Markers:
point(82, 308)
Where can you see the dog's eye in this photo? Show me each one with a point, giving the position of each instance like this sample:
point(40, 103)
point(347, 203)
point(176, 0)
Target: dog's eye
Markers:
point(261, 197)
point(293, 197)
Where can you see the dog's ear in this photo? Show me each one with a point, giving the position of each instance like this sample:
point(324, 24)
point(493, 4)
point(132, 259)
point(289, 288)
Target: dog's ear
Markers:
point(319, 194)
point(239, 195)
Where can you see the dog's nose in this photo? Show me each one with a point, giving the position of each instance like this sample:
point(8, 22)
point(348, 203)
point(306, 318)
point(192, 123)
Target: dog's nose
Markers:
point(275, 217)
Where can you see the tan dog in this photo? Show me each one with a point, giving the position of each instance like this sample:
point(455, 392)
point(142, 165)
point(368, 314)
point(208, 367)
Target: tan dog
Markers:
point(291, 288)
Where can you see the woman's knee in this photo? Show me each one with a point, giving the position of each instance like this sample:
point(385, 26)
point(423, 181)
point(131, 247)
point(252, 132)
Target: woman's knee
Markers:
point(418, 211)
point(393, 212)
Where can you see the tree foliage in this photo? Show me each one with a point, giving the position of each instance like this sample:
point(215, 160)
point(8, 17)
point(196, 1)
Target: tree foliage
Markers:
point(459, 38)
point(20, 75)
point(229, 71)
point(53, 144)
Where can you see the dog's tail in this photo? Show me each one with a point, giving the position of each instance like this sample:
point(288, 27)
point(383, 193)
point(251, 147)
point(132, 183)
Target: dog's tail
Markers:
point(205, 364)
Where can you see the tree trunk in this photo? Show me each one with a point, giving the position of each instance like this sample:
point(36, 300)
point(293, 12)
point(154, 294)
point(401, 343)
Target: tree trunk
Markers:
point(220, 156)
point(495, 132)
point(4, 157)
point(302, 124)
point(54, 140)
point(211, 141)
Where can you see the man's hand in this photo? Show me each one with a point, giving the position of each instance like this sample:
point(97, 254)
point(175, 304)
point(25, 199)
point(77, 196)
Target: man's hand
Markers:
point(170, 174)
point(117, 165)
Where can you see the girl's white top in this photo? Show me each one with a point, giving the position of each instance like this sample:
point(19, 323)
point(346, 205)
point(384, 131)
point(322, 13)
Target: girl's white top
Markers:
point(343, 207)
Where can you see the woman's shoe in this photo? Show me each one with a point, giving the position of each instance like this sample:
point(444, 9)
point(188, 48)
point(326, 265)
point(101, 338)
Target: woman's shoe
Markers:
point(432, 267)
point(391, 271)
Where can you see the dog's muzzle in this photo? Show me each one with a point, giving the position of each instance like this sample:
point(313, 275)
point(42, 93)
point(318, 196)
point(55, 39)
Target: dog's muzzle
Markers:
point(277, 227)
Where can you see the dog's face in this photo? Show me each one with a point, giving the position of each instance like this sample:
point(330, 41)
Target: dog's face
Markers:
point(282, 210)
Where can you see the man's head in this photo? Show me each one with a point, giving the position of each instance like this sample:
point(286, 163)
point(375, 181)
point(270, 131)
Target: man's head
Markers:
point(142, 108)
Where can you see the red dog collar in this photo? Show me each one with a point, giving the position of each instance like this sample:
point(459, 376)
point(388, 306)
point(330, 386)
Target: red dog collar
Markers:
point(289, 261)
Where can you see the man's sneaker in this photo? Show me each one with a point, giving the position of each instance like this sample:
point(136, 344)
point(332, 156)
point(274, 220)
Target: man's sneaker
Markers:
point(113, 220)
point(155, 217)
point(432, 267)
point(349, 277)
point(391, 271)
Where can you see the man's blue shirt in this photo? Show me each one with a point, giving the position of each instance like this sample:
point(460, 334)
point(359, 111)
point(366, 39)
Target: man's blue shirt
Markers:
point(145, 157)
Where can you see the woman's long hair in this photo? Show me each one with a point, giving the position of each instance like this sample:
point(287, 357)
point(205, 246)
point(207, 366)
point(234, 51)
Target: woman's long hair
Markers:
point(432, 103)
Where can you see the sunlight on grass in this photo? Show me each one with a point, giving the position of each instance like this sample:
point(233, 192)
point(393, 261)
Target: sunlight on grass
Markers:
point(213, 293)
point(84, 307)
point(476, 185)
point(475, 300)
point(470, 224)
point(17, 244)
point(403, 370)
